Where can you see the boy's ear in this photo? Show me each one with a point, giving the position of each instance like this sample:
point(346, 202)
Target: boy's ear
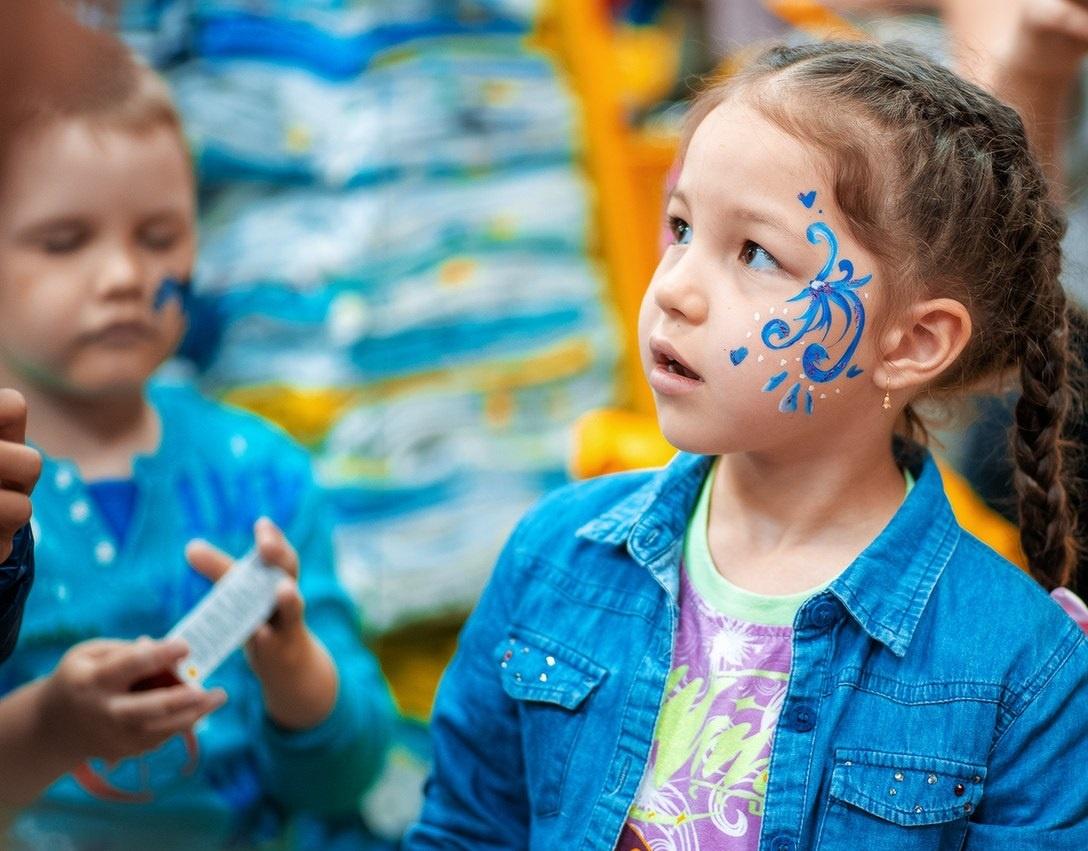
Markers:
point(925, 343)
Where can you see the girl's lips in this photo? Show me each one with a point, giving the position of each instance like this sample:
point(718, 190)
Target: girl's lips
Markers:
point(668, 382)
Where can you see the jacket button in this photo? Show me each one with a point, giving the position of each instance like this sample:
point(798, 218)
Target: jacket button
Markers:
point(782, 843)
point(803, 718)
point(824, 614)
point(958, 790)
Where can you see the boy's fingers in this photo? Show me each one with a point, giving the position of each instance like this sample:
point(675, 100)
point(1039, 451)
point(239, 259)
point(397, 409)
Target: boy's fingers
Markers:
point(137, 709)
point(206, 560)
point(183, 718)
point(164, 710)
point(274, 548)
point(140, 659)
point(20, 466)
point(288, 605)
point(12, 416)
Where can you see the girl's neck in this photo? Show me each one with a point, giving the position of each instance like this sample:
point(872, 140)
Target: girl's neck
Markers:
point(100, 434)
point(782, 525)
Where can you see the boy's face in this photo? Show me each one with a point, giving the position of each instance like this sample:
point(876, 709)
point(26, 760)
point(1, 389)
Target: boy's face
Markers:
point(93, 221)
point(754, 335)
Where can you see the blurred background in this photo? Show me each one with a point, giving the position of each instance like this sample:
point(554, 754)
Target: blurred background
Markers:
point(426, 227)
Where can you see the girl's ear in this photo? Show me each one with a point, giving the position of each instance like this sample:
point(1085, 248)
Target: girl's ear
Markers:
point(928, 339)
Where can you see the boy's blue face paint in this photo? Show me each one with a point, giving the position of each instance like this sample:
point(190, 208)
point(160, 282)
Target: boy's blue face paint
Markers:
point(737, 356)
point(171, 288)
point(824, 299)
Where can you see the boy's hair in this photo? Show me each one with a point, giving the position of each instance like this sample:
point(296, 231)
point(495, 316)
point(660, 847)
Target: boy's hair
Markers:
point(936, 178)
point(80, 72)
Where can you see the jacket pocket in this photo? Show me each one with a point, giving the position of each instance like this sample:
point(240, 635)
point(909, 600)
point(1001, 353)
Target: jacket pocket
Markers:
point(551, 685)
point(880, 800)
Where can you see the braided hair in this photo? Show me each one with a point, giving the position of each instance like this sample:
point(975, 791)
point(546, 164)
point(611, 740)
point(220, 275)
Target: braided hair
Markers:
point(936, 178)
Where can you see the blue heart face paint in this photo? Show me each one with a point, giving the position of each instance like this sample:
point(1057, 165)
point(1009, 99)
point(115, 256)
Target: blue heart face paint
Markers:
point(169, 289)
point(737, 356)
point(807, 198)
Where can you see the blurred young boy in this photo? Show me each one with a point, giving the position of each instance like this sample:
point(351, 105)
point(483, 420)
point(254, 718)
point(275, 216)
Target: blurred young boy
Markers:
point(96, 244)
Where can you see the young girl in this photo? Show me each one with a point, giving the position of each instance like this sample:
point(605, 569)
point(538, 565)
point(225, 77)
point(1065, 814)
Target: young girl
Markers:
point(96, 241)
point(783, 640)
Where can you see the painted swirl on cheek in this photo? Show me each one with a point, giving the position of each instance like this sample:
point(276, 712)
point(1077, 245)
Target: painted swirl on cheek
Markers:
point(825, 300)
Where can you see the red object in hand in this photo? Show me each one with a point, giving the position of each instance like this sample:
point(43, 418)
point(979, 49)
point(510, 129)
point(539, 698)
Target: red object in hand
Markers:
point(98, 786)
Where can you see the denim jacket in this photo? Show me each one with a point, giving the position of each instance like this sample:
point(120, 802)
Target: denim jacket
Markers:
point(938, 699)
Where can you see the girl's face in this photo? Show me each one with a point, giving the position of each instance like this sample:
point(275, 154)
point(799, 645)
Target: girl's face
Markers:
point(757, 328)
point(94, 222)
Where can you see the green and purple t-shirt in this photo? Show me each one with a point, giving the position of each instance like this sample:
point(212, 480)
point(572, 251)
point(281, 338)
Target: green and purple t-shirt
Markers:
point(706, 780)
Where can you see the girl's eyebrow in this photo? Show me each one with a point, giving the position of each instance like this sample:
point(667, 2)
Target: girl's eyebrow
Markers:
point(768, 219)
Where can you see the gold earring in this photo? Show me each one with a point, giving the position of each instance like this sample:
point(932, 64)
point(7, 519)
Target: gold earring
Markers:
point(887, 395)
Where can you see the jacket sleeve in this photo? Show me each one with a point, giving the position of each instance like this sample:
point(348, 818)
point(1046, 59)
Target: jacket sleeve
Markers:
point(16, 577)
point(476, 796)
point(1035, 795)
point(325, 769)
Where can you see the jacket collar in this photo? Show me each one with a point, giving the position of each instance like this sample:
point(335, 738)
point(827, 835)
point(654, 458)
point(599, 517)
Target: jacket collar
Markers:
point(885, 589)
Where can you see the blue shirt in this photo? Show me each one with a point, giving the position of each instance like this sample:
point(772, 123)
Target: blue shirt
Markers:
point(115, 500)
point(938, 698)
point(215, 473)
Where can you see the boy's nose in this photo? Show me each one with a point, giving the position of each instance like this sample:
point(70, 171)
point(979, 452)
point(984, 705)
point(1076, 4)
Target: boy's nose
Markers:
point(121, 273)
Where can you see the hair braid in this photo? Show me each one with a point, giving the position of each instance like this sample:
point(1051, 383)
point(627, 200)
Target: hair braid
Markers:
point(1047, 525)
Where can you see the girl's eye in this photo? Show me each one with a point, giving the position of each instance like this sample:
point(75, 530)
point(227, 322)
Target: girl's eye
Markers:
point(755, 256)
point(681, 230)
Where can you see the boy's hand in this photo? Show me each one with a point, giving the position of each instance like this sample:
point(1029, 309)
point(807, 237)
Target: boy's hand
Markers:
point(298, 678)
point(286, 628)
point(20, 467)
point(88, 708)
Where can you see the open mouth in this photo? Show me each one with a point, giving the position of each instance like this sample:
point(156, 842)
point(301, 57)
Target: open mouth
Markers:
point(678, 368)
point(665, 357)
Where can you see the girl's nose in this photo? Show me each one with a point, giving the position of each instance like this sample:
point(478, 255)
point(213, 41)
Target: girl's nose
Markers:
point(678, 293)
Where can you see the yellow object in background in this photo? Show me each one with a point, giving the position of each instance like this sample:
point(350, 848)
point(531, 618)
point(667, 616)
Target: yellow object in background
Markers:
point(812, 17)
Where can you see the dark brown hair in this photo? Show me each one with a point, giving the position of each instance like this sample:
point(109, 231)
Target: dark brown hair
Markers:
point(936, 178)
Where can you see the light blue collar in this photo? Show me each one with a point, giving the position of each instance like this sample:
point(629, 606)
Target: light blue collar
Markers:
point(885, 589)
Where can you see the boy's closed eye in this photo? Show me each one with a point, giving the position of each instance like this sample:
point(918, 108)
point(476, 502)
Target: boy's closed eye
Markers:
point(61, 237)
point(160, 237)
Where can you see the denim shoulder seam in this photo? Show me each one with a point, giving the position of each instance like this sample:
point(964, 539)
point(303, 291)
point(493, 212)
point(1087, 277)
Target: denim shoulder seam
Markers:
point(1037, 682)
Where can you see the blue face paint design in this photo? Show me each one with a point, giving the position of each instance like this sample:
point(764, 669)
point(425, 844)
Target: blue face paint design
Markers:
point(824, 298)
point(775, 381)
point(807, 198)
point(172, 288)
point(737, 356)
point(789, 402)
